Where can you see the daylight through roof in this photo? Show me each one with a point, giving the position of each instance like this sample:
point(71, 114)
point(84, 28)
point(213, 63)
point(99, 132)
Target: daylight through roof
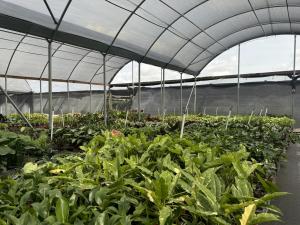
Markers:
point(179, 35)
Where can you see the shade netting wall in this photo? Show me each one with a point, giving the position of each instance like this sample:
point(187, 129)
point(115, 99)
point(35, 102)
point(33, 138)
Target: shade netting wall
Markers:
point(273, 97)
point(219, 99)
point(78, 102)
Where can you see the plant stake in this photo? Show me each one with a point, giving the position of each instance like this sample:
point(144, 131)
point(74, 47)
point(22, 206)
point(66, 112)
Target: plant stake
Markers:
point(62, 118)
point(228, 117)
point(250, 117)
point(266, 112)
point(182, 126)
point(126, 118)
point(51, 131)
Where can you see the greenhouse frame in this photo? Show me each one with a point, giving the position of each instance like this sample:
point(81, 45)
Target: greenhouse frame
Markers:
point(89, 42)
point(192, 41)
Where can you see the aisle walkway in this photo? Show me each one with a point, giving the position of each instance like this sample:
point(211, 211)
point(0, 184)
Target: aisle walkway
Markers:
point(289, 180)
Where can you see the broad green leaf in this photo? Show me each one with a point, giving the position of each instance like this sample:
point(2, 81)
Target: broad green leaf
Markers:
point(248, 214)
point(30, 168)
point(263, 218)
point(164, 214)
point(6, 150)
point(102, 219)
point(62, 210)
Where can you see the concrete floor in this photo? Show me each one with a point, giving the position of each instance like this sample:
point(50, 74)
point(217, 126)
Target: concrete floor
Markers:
point(289, 180)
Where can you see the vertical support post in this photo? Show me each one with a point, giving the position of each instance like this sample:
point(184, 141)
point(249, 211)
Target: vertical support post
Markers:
point(68, 97)
point(181, 103)
point(132, 80)
point(195, 96)
point(6, 105)
point(109, 104)
point(41, 97)
point(294, 80)
point(91, 97)
point(238, 81)
point(105, 90)
point(139, 90)
point(163, 91)
point(295, 52)
point(50, 109)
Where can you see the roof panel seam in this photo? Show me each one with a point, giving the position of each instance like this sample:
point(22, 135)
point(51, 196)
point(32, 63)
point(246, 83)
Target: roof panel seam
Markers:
point(123, 25)
point(79, 61)
point(253, 10)
point(288, 12)
point(167, 28)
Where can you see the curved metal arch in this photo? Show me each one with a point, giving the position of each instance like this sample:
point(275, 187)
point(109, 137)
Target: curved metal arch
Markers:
point(113, 77)
point(250, 27)
point(105, 71)
point(163, 27)
point(100, 67)
point(60, 20)
point(50, 11)
point(233, 45)
point(288, 12)
point(53, 53)
point(169, 25)
point(218, 22)
point(145, 19)
point(246, 28)
point(13, 54)
point(270, 18)
point(77, 64)
point(184, 16)
point(253, 10)
point(123, 25)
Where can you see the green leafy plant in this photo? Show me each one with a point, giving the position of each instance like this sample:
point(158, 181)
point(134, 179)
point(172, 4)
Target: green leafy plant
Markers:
point(133, 180)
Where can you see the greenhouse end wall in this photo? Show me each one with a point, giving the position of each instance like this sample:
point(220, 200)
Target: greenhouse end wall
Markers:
point(78, 102)
point(211, 99)
point(218, 99)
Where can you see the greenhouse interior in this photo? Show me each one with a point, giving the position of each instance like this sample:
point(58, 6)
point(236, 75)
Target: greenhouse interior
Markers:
point(169, 112)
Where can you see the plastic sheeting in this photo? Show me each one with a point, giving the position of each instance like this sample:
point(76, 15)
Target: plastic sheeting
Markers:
point(26, 56)
point(179, 35)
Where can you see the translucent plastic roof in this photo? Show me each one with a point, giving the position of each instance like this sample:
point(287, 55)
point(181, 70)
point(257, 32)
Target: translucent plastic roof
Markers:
point(182, 35)
point(26, 56)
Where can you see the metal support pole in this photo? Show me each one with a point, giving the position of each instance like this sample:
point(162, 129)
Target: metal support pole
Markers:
point(181, 103)
point(15, 106)
point(105, 90)
point(139, 91)
point(91, 97)
point(68, 97)
point(6, 105)
point(295, 52)
point(41, 97)
point(163, 91)
point(238, 81)
point(294, 74)
point(195, 97)
point(50, 109)
point(132, 80)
